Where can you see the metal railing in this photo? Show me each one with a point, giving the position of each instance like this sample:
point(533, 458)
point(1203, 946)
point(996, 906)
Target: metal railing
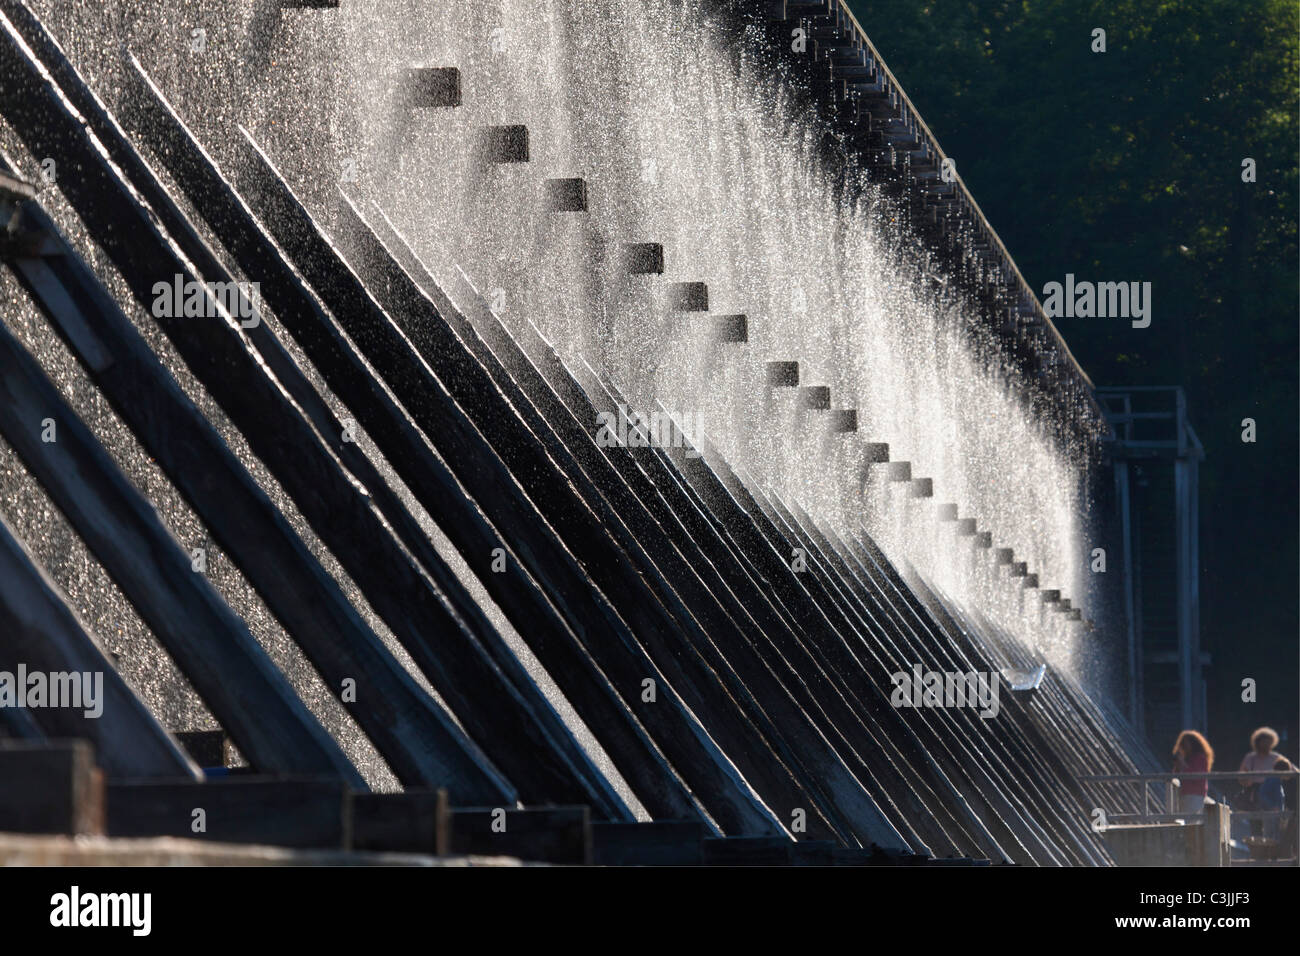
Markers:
point(1169, 786)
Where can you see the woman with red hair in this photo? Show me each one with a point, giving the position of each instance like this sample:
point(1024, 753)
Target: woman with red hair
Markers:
point(1193, 754)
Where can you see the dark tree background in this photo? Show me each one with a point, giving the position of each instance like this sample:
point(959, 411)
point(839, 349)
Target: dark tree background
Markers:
point(1127, 166)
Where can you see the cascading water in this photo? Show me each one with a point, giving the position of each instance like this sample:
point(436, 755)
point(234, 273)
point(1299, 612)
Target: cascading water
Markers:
point(682, 142)
point(687, 144)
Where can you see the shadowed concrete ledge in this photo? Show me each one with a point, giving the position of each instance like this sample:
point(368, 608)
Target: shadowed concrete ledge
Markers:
point(19, 850)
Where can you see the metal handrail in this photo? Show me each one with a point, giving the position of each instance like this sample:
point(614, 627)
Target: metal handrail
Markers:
point(1174, 781)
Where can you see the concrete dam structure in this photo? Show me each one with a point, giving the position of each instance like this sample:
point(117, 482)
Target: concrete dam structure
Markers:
point(573, 430)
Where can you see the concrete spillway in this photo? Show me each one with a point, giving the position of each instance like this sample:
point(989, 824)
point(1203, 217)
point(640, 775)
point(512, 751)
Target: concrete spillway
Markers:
point(588, 444)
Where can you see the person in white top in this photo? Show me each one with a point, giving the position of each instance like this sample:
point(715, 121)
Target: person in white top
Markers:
point(1261, 756)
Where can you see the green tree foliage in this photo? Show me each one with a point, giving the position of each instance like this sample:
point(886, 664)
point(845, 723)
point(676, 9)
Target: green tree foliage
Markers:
point(1127, 165)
